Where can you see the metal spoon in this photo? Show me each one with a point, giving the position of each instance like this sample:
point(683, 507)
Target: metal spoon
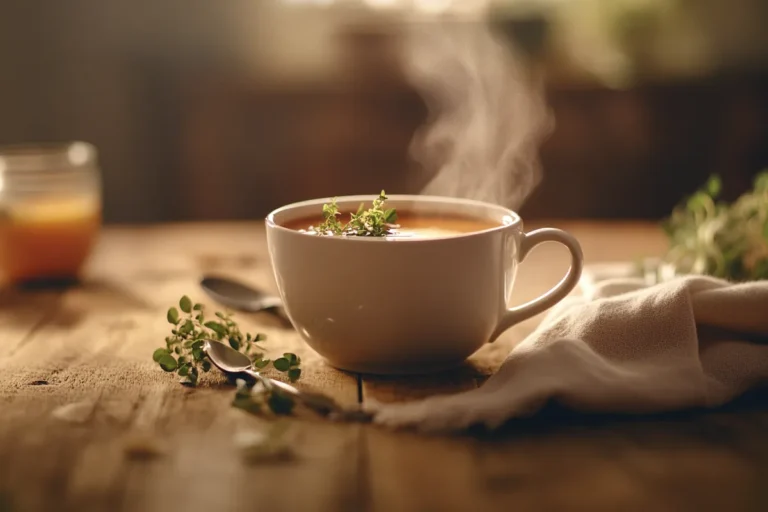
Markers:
point(230, 361)
point(238, 296)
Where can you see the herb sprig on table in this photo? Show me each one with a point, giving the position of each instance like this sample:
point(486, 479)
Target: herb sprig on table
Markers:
point(375, 221)
point(730, 241)
point(256, 399)
point(183, 352)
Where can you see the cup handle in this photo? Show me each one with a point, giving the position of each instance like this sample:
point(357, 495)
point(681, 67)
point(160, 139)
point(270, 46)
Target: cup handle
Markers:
point(519, 313)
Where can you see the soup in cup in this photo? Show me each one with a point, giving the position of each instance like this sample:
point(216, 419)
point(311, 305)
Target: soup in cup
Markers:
point(419, 300)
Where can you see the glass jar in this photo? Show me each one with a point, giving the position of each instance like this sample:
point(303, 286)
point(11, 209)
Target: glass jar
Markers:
point(50, 210)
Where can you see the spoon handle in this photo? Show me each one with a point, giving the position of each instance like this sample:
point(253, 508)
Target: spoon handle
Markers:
point(272, 383)
point(320, 403)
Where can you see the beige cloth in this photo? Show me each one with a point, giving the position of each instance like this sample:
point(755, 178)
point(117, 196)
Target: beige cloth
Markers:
point(622, 347)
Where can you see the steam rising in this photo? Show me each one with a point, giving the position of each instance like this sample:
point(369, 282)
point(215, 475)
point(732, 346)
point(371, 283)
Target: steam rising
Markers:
point(487, 118)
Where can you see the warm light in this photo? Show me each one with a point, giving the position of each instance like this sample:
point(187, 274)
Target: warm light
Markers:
point(324, 3)
point(433, 6)
point(2, 174)
point(382, 4)
point(78, 154)
point(471, 6)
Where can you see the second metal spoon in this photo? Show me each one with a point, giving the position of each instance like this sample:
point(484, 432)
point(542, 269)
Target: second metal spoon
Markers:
point(230, 361)
point(238, 296)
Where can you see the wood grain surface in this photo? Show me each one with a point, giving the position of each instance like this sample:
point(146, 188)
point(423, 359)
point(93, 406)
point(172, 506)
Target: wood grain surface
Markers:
point(142, 442)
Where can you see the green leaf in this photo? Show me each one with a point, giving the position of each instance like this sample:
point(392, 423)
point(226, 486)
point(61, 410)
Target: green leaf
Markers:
point(260, 363)
point(390, 216)
point(159, 354)
point(197, 353)
point(280, 404)
point(761, 182)
point(714, 186)
point(182, 359)
point(330, 210)
point(183, 370)
point(198, 307)
point(760, 270)
point(294, 374)
point(173, 316)
point(167, 363)
point(177, 350)
point(185, 304)
point(292, 358)
point(234, 343)
point(216, 327)
point(282, 364)
point(697, 201)
point(187, 328)
point(260, 337)
point(221, 315)
point(191, 378)
point(206, 366)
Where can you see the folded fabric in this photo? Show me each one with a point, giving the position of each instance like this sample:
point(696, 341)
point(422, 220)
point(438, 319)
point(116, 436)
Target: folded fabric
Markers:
point(623, 347)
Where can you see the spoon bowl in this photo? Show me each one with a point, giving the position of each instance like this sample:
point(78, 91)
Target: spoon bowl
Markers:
point(232, 362)
point(239, 296)
point(226, 358)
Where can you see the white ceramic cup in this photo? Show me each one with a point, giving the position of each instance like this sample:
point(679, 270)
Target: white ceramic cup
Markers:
point(399, 306)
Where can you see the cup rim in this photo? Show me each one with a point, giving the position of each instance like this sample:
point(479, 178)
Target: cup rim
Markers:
point(514, 218)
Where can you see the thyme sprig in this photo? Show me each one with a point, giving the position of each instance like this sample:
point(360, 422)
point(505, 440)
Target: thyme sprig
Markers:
point(711, 237)
point(183, 352)
point(375, 221)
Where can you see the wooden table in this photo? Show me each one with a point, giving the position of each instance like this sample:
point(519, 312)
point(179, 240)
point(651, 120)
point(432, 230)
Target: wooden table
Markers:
point(92, 345)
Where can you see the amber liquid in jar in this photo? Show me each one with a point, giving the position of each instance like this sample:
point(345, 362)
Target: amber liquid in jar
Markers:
point(50, 211)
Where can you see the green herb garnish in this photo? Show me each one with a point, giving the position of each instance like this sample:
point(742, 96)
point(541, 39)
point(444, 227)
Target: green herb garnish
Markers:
point(729, 241)
point(331, 224)
point(183, 352)
point(376, 221)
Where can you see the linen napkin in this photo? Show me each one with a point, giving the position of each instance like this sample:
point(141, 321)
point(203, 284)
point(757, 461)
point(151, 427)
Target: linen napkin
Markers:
point(622, 347)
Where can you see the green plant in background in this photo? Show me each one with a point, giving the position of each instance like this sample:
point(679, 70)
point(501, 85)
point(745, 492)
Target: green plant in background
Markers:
point(729, 241)
point(183, 352)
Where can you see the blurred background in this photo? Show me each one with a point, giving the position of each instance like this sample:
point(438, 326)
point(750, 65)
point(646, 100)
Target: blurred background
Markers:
point(228, 109)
